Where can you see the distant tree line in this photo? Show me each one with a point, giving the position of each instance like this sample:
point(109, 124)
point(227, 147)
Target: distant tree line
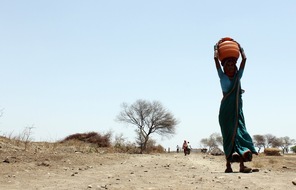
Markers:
point(260, 141)
point(269, 140)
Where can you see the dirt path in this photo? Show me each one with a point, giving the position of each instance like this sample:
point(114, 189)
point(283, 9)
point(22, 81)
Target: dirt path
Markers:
point(128, 171)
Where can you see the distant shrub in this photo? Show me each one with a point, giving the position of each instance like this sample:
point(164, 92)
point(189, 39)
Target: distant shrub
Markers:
point(293, 148)
point(272, 152)
point(216, 151)
point(153, 148)
point(24, 138)
point(92, 138)
point(123, 146)
point(127, 147)
point(156, 149)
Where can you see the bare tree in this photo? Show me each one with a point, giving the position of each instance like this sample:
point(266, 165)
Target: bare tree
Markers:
point(219, 139)
point(26, 136)
point(213, 141)
point(276, 143)
point(1, 112)
point(148, 118)
point(119, 140)
point(285, 142)
point(269, 140)
point(259, 141)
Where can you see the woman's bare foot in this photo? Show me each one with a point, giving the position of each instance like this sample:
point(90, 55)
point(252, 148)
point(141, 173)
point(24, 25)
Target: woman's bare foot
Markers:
point(228, 170)
point(228, 167)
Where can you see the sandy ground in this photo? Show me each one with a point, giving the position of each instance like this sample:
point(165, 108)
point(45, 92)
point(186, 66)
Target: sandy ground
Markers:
point(53, 168)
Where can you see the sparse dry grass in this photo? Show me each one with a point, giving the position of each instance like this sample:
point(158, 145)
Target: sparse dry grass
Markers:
point(257, 164)
point(274, 162)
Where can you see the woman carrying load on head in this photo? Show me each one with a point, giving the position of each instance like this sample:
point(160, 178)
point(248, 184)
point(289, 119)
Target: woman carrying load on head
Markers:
point(237, 143)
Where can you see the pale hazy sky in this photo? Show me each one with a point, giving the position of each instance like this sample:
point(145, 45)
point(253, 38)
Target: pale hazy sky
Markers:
point(67, 66)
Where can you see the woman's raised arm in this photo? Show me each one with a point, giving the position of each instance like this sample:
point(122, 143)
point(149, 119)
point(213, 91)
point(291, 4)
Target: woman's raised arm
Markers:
point(216, 57)
point(244, 58)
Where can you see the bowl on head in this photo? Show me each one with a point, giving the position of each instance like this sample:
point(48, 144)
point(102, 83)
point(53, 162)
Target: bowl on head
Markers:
point(227, 48)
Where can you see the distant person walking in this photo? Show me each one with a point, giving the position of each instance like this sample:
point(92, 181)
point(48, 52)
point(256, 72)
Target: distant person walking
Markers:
point(237, 143)
point(178, 148)
point(185, 146)
point(188, 148)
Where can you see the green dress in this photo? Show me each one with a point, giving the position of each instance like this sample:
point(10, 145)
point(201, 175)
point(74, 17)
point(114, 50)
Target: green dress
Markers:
point(232, 124)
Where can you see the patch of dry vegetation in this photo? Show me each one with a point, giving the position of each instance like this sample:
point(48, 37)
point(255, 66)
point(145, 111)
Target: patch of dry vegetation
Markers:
point(275, 162)
point(89, 142)
point(272, 152)
point(91, 138)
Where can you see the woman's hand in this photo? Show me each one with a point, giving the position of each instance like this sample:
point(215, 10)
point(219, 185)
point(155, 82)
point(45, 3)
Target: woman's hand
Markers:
point(244, 58)
point(216, 51)
point(240, 48)
point(216, 46)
